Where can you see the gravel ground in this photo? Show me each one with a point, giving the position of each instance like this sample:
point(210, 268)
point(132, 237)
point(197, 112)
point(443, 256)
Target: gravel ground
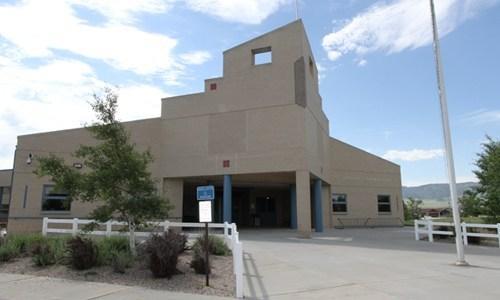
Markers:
point(187, 281)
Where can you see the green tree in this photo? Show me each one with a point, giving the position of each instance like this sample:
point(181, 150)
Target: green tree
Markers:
point(115, 175)
point(412, 209)
point(488, 173)
point(471, 204)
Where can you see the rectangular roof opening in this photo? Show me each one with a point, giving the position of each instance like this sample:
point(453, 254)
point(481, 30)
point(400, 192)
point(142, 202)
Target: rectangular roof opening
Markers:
point(262, 56)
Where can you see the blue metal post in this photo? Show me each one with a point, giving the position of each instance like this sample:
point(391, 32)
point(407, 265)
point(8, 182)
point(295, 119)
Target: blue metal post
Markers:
point(293, 207)
point(318, 211)
point(227, 199)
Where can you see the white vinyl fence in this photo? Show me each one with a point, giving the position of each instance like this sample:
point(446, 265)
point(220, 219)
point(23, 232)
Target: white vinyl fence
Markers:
point(231, 236)
point(426, 227)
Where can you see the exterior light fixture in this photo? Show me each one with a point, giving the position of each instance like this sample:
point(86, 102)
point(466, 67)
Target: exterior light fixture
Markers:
point(30, 159)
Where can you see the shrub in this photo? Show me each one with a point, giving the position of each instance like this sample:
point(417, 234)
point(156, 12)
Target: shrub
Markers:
point(25, 242)
point(44, 255)
point(216, 245)
point(163, 251)
point(198, 260)
point(82, 253)
point(8, 252)
point(121, 260)
point(109, 247)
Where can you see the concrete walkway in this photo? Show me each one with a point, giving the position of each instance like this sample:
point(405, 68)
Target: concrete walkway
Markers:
point(384, 263)
point(26, 287)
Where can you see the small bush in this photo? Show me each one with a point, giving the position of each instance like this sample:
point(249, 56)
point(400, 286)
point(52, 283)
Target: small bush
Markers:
point(82, 253)
point(25, 242)
point(216, 245)
point(49, 250)
point(163, 251)
point(198, 262)
point(109, 247)
point(121, 261)
point(44, 255)
point(8, 252)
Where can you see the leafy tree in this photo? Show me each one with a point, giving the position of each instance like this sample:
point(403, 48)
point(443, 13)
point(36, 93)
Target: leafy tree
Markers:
point(471, 204)
point(412, 209)
point(115, 175)
point(488, 173)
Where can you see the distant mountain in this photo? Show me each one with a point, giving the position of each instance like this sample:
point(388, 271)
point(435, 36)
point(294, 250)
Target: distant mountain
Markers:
point(436, 191)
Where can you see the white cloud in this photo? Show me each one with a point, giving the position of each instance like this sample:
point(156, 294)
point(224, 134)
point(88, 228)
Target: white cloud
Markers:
point(413, 155)
point(482, 116)
point(124, 11)
point(398, 25)
point(242, 11)
point(56, 27)
point(195, 57)
point(362, 62)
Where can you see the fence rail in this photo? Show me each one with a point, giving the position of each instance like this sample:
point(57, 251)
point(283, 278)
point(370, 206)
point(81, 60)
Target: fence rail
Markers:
point(230, 232)
point(426, 226)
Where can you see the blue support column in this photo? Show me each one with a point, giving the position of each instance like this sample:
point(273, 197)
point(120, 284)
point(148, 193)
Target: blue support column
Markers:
point(227, 199)
point(293, 207)
point(318, 211)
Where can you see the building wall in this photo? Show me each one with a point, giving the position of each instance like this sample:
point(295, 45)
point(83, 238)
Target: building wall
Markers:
point(25, 212)
point(362, 176)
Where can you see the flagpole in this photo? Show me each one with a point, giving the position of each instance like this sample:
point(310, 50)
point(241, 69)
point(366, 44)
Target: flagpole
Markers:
point(447, 142)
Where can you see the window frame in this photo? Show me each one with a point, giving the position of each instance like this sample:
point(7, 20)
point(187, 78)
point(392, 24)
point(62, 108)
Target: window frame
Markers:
point(388, 204)
point(334, 203)
point(45, 187)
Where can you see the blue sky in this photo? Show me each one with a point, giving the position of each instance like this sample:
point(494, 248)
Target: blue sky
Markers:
point(375, 59)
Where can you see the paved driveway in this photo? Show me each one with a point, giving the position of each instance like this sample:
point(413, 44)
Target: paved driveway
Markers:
point(383, 263)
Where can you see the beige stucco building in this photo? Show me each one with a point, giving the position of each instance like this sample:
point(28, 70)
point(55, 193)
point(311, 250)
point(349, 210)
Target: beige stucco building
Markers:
point(258, 134)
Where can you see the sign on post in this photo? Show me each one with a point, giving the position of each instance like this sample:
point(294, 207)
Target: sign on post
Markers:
point(205, 211)
point(206, 192)
point(205, 195)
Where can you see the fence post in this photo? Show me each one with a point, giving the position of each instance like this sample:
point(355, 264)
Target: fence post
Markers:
point(429, 231)
point(75, 227)
point(233, 235)
point(108, 228)
point(166, 225)
point(417, 236)
point(498, 233)
point(45, 225)
point(464, 233)
point(226, 230)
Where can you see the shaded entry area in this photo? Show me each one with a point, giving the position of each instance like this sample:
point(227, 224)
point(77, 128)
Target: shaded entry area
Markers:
point(261, 201)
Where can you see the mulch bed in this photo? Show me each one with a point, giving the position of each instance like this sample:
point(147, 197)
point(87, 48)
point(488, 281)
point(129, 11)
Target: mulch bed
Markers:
point(187, 281)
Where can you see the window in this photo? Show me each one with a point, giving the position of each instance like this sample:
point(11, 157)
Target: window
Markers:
point(53, 200)
point(339, 203)
point(384, 203)
point(4, 196)
point(262, 56)
point(213, 86)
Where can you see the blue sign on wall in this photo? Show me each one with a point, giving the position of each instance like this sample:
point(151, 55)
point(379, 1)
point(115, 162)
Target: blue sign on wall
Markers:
point(206, 192)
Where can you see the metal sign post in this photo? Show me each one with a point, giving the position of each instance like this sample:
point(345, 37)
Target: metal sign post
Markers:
point(205, 195)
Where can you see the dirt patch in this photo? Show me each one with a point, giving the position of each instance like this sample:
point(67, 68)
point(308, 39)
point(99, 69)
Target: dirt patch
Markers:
point(187, 281)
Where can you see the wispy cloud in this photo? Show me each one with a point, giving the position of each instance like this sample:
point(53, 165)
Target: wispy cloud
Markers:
point(398, 25)
point(482, 116)
point(413, 155)
point(195, 57)
point(241, 11)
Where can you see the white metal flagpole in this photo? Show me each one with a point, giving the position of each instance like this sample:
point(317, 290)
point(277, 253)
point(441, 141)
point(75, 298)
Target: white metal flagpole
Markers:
point(447, 142)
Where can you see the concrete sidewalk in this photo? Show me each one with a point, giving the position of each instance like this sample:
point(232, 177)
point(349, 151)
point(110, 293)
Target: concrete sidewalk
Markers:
point(383, 263)
point(27, 287)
